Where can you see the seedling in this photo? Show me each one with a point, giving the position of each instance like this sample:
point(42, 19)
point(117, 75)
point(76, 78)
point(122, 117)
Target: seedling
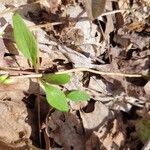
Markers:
point(27, 44)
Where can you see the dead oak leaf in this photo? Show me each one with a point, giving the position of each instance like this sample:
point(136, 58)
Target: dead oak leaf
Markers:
point(51, 5)
point(95, 119)
point(66, 130)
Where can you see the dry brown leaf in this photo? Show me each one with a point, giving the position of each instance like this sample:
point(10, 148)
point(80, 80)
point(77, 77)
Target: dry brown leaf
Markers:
point(13, 122)
point(93, 142)
point(147, 88)
point(94, 8)
point(66, 130)
point(2, 52)
point(51, 5)
point(16, 93)
point(94, 120)
point(136, 26)
point(110, 141)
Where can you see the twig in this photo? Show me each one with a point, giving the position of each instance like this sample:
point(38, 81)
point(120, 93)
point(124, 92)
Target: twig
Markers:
point(82, 70)
point(100, 72)
point(38, 99)
point(39, 111)
point(113, 12)
point(13, 70)
point(27, 76)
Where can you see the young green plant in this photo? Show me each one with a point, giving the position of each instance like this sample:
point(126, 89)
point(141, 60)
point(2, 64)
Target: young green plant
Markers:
point(50, 82)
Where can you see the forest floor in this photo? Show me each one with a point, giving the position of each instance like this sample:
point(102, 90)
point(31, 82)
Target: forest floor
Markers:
point(116, 45)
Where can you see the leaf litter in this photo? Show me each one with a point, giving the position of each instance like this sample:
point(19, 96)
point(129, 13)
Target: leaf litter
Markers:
point(118, 107)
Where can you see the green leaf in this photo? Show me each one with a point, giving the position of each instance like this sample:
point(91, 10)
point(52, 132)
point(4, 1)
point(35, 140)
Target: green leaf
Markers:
point(56, 78)
point(25, 40)
point(4, 79)
point(78, 95)
point(55, 97)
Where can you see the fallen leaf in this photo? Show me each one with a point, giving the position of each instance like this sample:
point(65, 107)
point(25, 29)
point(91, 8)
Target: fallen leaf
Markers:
point(147, 88)
point(13, 122)
point(66, 130)
point(51, 5)
point(94, 8)
point(94, 120)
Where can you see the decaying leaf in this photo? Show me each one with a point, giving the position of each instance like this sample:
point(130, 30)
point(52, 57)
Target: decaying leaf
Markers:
point(96, 118)
point(13, 122)
point(51, 5)
point(147, 88)
point(82, 45)
point(112, 140)
point(94, 8)
point(66, 130)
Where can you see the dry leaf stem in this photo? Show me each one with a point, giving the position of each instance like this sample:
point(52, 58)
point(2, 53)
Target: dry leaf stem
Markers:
point(38, 75)
point(38, 99)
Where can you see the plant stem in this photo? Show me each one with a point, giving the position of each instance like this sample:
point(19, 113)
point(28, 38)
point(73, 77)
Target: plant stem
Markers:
point(38, 111)
point(100, 72)
point(38, 75)
point(38, 99)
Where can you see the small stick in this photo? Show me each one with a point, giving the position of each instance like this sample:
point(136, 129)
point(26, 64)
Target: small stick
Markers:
point(81, 70)
point(100, 72)
point(113, 12)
